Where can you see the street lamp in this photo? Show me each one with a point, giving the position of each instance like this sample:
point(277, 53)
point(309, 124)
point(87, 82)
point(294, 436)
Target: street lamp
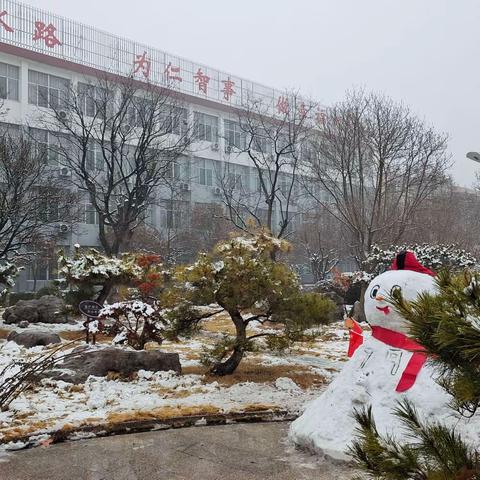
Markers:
point(475, 156)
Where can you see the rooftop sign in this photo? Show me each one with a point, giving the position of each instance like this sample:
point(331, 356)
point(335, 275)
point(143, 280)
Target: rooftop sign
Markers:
point(43, 32)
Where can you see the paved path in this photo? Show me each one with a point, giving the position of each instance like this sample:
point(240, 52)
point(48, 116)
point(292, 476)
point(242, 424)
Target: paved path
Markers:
point(241, 452)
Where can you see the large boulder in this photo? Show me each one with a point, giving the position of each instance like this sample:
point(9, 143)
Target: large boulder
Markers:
point(46, 309)
point(100, 361)
point(33, 339)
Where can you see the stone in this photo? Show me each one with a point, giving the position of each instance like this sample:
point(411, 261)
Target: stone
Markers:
point(100, 361)
point(33, 339)
point(23, 324)
point(46, 309)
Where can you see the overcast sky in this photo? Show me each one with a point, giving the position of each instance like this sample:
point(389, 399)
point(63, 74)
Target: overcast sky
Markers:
point(424, 52)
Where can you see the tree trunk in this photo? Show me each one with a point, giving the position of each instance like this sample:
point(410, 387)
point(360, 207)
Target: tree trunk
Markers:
point(104, 293)
point(230, 365)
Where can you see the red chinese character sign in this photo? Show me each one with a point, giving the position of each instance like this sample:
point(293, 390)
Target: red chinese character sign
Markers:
point(202, 81)
point(228, 90)
point(282, 105)
point(3, 23)
point(302, 111)
point(172, 73)
point(321, 117)
point(46, 33)
point(142, 64)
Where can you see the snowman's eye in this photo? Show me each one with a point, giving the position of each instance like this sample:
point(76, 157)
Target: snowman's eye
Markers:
point(374, 291)
point(396, 289)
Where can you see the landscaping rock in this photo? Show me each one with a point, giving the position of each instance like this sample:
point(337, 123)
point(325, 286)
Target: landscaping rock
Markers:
point(47, 309)
point(23, 324)
point(33, 339)
point(99, 362)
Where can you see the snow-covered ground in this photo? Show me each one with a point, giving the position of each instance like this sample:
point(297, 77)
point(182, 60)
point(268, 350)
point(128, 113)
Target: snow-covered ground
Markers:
point(263, 381)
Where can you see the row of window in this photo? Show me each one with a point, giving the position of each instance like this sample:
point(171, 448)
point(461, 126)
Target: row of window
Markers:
point(50, 91)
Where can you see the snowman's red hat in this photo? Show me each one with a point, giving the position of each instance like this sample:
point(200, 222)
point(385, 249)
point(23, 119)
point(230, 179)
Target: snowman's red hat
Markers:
point(408, 261)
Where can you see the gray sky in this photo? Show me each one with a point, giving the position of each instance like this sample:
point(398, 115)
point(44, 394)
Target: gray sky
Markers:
point(424, 52)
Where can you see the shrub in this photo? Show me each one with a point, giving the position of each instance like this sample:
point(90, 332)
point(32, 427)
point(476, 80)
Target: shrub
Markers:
point(14, 297)
point(49, 290)
point(133, 322)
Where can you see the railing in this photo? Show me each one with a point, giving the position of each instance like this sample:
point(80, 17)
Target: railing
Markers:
point(46, 33)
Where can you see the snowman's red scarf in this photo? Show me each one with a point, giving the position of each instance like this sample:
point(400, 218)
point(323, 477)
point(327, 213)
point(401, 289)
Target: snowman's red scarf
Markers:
point(399, 340)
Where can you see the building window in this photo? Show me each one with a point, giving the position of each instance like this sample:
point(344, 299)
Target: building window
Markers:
point(174, 120)
point(9, 76)
point(238, 177)
point(94, 159)
point(179, 170)
point(234, 135)
point(262, 144)
point(50, 147)
point(47, 90)
point(256, 179)
point(48, 209)
point(91, 215)
point(91, 99)
point(205, 172)
point(284, 183)
point(206, 127)
point(43, 269)
point(11, 130)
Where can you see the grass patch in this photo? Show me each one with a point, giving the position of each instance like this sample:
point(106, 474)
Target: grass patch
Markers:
point(162, 413)
point(13, 434)
point(80, 335)
point(4, 333)
point(304, 377)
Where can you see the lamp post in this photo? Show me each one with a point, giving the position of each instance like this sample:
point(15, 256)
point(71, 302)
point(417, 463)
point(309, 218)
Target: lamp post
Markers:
point(475, 156)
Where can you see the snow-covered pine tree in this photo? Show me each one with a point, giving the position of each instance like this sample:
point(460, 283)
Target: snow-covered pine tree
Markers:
point(241, 277)
point(448, 326)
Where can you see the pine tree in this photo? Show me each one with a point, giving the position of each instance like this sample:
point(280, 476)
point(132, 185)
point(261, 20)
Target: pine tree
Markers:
point(241, 277)
point(448, 326)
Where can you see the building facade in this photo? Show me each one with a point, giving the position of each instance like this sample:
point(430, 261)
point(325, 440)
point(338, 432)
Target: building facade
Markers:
point(43, 55)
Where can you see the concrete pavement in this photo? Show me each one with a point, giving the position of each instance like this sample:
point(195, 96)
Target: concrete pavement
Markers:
point(240, 451)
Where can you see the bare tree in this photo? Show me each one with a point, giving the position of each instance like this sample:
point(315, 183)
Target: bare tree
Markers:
point(119, 139)
point(317, 241)
point(374, 165)
point(209, 226)
point(274, 145)
point(33, 200)
point(450, 215)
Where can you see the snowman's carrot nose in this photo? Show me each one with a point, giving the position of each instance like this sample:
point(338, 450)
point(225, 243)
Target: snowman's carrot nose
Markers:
point(379, 298)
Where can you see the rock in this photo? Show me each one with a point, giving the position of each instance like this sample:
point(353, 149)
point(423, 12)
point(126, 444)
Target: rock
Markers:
point(23, 324)
point(358, 312)
point(100, 361)
point(47, 309)
point(33, 339)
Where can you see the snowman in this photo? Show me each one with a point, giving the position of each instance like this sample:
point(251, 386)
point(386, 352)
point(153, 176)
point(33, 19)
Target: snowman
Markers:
point(387, 367)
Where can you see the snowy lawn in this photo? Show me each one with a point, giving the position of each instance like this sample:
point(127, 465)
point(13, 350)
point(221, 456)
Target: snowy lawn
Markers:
point(263, 382)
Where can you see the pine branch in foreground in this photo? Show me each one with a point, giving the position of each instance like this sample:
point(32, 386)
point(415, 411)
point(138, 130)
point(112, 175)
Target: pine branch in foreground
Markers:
point(431, 452)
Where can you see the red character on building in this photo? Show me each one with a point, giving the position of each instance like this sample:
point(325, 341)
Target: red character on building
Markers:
point(282, 105)
point(4, 24)
point(202, 80)
point(143, 64)
point(320, 115)
point(172, 73)
point(46, 33)
point(228, 90)
point(302, 111)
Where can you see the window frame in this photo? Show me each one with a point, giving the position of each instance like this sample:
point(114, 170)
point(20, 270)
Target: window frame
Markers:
point(10, 79)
